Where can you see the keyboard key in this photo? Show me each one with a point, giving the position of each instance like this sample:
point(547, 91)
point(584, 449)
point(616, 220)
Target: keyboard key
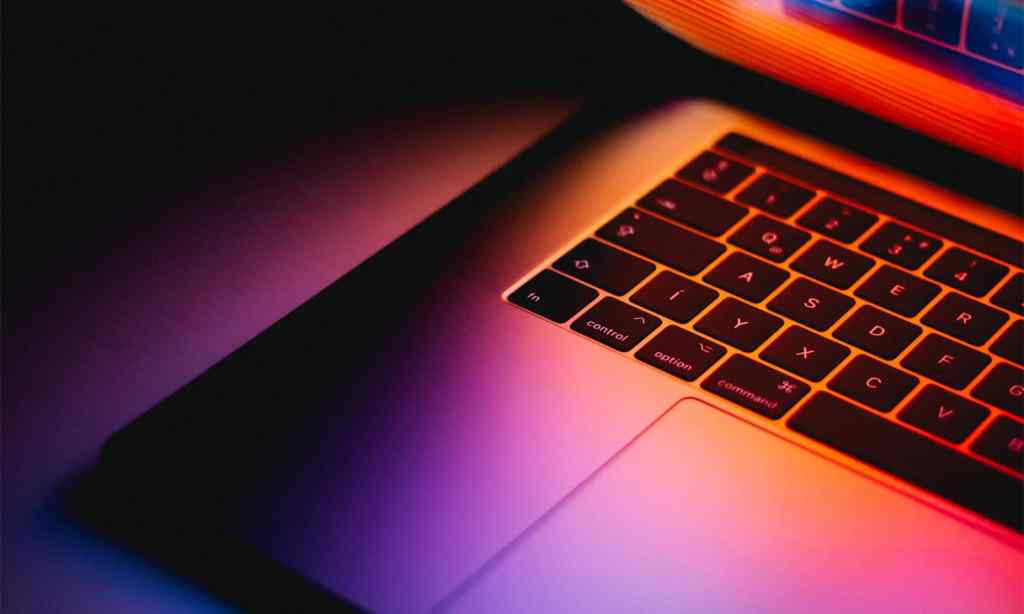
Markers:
point(901, 245)
point(966, 272)
point(680, 353)
point(774, 195)
point(995, 29)
point(811, 304)
point(965, 319)
point(769, 238)
point(873, 383)
point(805, 353)
point(879, 9)
point(755, 386)
point(1009, 344)
point(912, 457)
point(944, 414)
point(1003, 442)
point(661, 241)
point(715, 172)
point(937, 19)
point(615, 324)
point(693, 207)
point(604, 266)
point(837, 220)
point(1003, 387)
point(746, 277)
point(738, 324)
point(945, 361)
point(877, 332)
point(834, 265)
point(674, 296)
point(553, 296)
point(901, 292)
point(1011, 295)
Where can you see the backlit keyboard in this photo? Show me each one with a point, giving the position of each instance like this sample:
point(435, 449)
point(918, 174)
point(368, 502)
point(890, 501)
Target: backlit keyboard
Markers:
point(865, 321)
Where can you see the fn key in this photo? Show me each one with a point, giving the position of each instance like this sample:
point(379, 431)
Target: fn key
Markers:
point(553, 296)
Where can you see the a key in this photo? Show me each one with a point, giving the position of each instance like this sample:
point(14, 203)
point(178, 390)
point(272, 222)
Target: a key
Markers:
point(832, 264)
point(771, 194)
point(738, 324)
point(945, 361)
point(755, 386)
point(873, 383)
point(901, 292)
point(964, 318)
point(912, 457)
point(1003, 442)
point(838, 220)
point(661, 241)
point(674, 296)
point(553, 296)
point(615, 324)
point(692, 207)
point(874, 330)
point(1011, 295)
point(944, 414)
point(1009, 344)
point(937, 19)
point(715, 172)
point(966, 272)
point(768, 238)
point(680, 353)
point(1003, 387)
point(604, 266)
point(746, 277)
point(807, 354)
point(811, 304)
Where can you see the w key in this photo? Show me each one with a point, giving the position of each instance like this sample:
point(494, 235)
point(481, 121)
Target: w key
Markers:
point(832, 264)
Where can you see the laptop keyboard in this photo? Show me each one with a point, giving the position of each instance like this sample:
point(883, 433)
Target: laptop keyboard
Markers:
point(853, 326)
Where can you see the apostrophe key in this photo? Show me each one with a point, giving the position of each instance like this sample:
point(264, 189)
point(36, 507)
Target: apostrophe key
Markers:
point(616, 324)
point(945, 361)
point(807, 354)
point(873, 383)
point(715, 172)
point(674, 296)
point(769, 238)
point(834, 265)
point(965, 319)
point(874, 330)
point(692, 207)
point(738, 324)
point(943, 414)
point(966, 272)
point(680, 353)
point(661, 241)
point(901, 245)
point(771, 194)
point(1003, 387)
point(755, 386)
point(553, 296)
point(838, 220)
point(901, 292)
point(811, 304)
point(746, 276)
point(604, 266)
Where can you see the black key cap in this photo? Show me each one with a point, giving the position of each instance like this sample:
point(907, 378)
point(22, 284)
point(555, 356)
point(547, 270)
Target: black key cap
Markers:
point(661, 241)
point(1010, 344)
point(755, 386)
point(879, 9)
point(553, 296)
point(837, 220)
point(944, 414)
point(965, 319)
point(604, 266)
point(738, 324)
point(774, 195)
point(769, 238)
point(615, 324)
point(674, 296)
point(1011, 295)
point(693, 207)
point(912, 457)
point(995, 29)
point(945, 361)
point(1003, 442)
point(680, 353)
point(746, 277)
point(901, 245)
point(834, 265)
point(1003, 387)
point(937, 19)
point(967, 272)
point(877, 332)
point(715, 172)
point(901, 292)
point(805, 353)
point(873, 383)
point(811, 304)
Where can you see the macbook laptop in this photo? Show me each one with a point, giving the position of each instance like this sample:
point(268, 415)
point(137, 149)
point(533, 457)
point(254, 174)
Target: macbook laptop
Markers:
point(680, 360)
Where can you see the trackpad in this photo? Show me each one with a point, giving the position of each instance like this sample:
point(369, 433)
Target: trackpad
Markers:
point(707, 513)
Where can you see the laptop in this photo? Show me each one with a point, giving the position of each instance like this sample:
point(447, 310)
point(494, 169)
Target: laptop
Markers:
point(681, 359)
